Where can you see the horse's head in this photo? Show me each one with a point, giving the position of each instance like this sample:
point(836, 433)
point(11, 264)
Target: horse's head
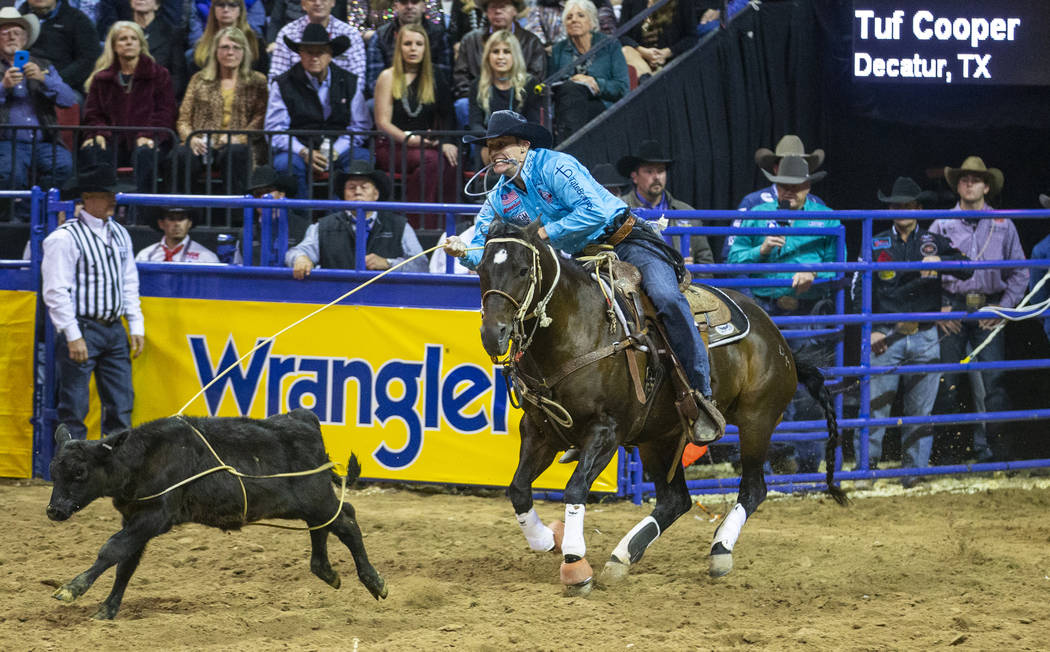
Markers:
point(509, 277)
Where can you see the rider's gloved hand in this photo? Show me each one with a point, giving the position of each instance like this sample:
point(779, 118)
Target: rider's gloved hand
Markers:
point(454, 246)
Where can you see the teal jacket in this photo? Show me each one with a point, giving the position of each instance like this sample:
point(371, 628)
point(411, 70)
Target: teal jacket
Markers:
point(796, 249)
point(608, 67)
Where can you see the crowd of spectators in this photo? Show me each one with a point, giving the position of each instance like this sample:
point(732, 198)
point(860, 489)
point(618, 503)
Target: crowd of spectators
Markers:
point(171, 69)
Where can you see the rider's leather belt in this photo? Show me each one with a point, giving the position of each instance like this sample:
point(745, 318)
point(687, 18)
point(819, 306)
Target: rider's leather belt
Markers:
point(622, 232)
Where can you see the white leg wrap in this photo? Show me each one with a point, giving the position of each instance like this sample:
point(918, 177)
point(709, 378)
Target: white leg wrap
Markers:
point(623, 550)
point(729, 530)
point(539, 536)
point(573, 543)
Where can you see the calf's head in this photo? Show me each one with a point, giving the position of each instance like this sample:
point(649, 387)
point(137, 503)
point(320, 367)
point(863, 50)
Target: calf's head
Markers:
point(80, 471)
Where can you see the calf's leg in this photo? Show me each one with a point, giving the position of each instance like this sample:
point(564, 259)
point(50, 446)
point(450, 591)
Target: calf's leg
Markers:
point(125, 569)
point(345, 527)
point(319, 564)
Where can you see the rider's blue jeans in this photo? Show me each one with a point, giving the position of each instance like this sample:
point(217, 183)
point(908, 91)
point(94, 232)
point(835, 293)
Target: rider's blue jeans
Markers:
point(661, 285)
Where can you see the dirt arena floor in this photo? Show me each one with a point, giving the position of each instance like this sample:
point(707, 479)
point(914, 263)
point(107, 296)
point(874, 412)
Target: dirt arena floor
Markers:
point(963, 564)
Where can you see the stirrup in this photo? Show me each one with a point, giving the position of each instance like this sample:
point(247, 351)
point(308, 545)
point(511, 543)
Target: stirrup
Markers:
point(710, 425)
point(569, 456)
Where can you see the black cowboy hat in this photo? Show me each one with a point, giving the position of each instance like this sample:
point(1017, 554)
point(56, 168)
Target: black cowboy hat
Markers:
point(789, 145)
point(156, 213)
point(100, 177)
point(606, 175)
point(509, 123)
point(518, 4)
point(649, 151)
point(906, 190)
point(316, 34)
point(793, 170)
point(265, 176)
point(364, 169)
point(1044, 200)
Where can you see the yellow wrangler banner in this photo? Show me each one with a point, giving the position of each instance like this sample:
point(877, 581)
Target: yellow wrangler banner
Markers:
point(17, 316)
point(410, 391)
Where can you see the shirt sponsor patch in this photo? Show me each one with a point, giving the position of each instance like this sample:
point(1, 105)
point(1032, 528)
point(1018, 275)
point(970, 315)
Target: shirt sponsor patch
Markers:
point(880, 243)
point(928, 247)
point(547, 197)
point(889, 274)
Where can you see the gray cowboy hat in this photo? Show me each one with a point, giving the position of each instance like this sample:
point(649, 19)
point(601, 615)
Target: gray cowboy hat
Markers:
point(364, 169)
point(606, 175)
point(975, 165)
point(316, 34)
point(100, 177)
point(265, 176)
point(29, 22)
point(1044, 200)
point(509, 123)
point(789, 145)
point(793, 170)
point(906, 190)
point(649, 151)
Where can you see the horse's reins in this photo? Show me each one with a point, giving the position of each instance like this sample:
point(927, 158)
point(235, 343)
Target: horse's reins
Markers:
point(222, 466)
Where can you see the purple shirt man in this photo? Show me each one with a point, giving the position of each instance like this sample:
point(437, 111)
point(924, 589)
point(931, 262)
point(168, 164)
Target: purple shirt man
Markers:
point(986, 239)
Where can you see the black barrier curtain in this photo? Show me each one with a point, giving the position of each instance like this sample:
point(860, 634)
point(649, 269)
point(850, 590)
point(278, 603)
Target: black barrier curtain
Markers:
point(740, 89)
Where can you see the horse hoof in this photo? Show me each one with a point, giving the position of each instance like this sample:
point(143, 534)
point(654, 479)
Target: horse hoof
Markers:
point(558, 528)
point(578, 578)
point(64, 594)
point(615, 571)
point(720, 565)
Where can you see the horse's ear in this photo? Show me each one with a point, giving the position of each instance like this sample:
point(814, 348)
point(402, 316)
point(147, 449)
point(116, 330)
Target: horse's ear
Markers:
point(496, 226)
point(532, 228)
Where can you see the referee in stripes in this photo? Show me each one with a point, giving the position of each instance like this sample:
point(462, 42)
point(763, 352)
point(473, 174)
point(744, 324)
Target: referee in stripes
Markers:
point(90, 281)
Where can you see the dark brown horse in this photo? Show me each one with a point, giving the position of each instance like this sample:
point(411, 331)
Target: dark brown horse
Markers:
point(547, 311)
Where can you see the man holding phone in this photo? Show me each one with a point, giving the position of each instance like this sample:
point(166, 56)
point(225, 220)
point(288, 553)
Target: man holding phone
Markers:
point(29, 91)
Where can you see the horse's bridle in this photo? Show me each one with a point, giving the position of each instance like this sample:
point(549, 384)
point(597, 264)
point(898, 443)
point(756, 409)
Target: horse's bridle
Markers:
point(521, 340)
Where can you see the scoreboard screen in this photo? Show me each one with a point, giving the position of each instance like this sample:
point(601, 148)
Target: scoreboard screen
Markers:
point(1004, 42)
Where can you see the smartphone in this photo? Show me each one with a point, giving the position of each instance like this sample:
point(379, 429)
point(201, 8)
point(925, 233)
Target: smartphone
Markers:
point(21, 58)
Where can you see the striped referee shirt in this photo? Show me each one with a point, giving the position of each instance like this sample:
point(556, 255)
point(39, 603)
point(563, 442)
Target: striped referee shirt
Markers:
point(88, 271)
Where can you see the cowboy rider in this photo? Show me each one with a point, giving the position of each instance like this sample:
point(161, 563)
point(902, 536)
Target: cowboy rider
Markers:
point(577, 211)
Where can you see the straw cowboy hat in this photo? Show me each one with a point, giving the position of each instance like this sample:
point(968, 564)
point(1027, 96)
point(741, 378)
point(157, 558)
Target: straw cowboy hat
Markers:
point(649, 151)
point(509, 123)
point(1044, 200)
point(316, 34)
point(29, 22)
point(793, 170)
point(906, 190)
point(975, 165)
point(789, 145)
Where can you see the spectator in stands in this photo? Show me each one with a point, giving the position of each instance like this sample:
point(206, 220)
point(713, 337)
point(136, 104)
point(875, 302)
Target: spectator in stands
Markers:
point(1041, 251)
point(610, 179)
point(380, 53)
point(464, 17)
point(789, 145)
point(367, 16)
point(500, 16)
point(324, 97)
point(593, 86)
point(223, 14)
point(89, 283)
point(504, 84)
point(67, 40)
point(979, 239)
point(648, 171)
point(166, 44)
point(911, 342)
point(28, 98)
point(331, 243)
point(129, 89)
point(227, 74)
point(411, 98)
point(318, 12)
point(202, 12)
point(266, 183)
point(803, 297)
point(544, 19)
point(176, 246)
point(173, 12)
point(665, 34)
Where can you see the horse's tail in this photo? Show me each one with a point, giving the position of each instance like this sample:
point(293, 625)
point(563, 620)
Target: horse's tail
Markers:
point(812, 378)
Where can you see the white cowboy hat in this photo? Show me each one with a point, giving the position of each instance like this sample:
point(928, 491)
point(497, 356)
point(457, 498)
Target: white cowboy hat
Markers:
point(29, 23)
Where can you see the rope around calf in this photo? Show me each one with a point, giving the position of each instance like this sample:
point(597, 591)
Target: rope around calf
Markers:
point(223, 466)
